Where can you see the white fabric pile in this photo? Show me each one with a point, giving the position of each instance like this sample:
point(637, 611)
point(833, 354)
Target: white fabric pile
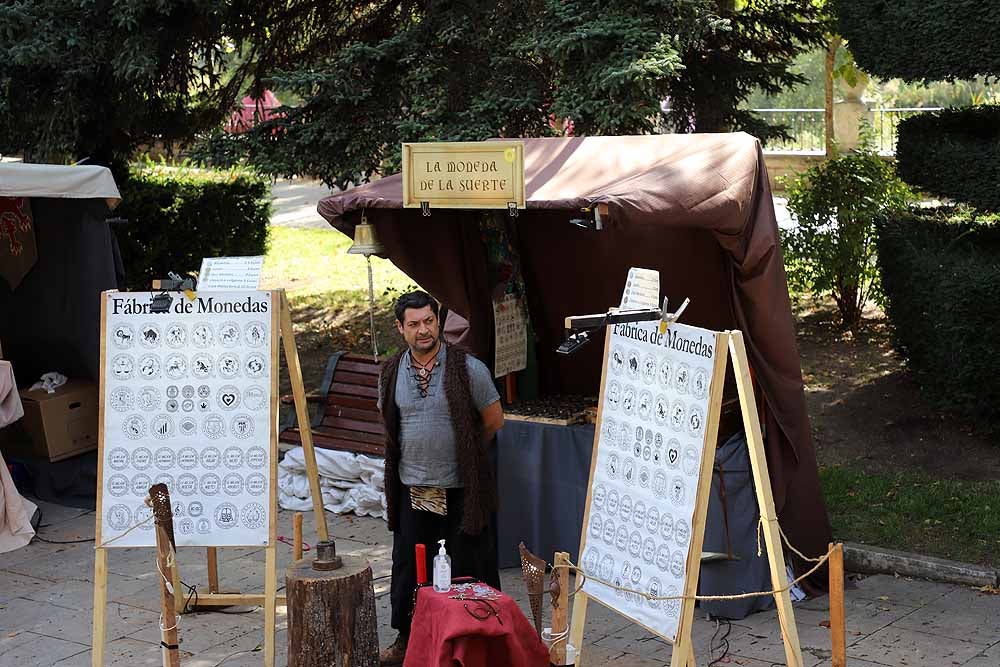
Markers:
point(349, 482)
point(50, 382)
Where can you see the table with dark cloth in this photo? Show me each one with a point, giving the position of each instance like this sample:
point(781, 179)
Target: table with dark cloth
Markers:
point(444, 633)
point(542, 475)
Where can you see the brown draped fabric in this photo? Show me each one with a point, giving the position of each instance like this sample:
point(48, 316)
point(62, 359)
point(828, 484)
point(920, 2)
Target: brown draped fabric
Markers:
point(697, 208)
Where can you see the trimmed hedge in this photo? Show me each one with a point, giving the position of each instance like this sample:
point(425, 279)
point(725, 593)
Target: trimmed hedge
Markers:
point(953, 153)
point(176, 217)
point(921, 39)
point(941, 277)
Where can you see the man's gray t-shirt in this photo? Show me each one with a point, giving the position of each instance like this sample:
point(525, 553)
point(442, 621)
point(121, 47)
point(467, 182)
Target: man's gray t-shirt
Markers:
point(426, 433)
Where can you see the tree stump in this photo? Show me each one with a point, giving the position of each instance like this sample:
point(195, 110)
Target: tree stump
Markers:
point(331, 615)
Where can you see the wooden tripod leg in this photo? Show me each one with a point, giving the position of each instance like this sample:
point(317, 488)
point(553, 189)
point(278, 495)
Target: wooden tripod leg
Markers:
point(765, 499)
point(168, 617)
point(579, 620)
point(213, 569)
point(302, 415)
point(100, 605)
point(175, 578)
point(270, 603)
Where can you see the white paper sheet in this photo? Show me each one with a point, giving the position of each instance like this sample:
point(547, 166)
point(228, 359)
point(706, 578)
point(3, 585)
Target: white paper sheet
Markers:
point(642, 289)
point(230, 273)
point(187, 402)
point(510, 327)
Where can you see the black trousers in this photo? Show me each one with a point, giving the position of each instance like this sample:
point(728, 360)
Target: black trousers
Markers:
point(471, 555)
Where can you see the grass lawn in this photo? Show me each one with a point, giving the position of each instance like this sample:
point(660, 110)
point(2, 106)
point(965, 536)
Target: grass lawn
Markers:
point(886, 471)
point(328, 292)
point(956, 519)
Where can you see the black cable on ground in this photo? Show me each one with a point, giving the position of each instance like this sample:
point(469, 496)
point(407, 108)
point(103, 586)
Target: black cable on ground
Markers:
point(42, 539)
point(723, 641)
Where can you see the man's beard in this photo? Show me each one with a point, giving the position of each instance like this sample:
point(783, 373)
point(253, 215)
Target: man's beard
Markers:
point(425, 344)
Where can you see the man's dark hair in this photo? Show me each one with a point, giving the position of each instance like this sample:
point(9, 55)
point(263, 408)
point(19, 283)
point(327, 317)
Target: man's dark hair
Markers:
point(417, 299)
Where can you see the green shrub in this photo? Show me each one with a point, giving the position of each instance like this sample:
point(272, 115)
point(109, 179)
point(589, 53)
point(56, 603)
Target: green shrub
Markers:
point(176, 217)
point(941, 277)
point(921, 39)
point(832, 247)
point(953, 153)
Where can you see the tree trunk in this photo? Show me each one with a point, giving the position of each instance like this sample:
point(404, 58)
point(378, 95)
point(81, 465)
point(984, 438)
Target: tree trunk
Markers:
point(831, 56)
point(331, 615)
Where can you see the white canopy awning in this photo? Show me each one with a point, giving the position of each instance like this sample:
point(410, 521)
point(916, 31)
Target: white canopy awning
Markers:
point(18, 179)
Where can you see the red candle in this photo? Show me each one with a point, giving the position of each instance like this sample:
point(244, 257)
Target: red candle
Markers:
point(421, 554)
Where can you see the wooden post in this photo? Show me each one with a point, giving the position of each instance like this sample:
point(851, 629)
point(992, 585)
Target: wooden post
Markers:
point(838, 625)
point(331, 615)
point(765, 499)
point(297, 539)
point(560, 613)
point(510, 384)
point(302, 415)
point(168, 622)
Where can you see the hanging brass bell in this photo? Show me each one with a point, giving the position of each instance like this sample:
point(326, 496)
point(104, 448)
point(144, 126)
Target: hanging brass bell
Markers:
point(365, 241)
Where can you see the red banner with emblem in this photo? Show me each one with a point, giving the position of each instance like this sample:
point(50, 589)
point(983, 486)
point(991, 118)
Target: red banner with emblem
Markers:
point(17, 240)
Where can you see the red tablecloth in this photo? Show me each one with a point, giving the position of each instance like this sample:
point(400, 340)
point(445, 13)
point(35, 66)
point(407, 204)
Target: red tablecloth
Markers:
point(444, 634)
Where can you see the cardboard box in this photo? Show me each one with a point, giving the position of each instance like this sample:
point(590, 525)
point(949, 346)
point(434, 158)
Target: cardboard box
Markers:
point(59, 425)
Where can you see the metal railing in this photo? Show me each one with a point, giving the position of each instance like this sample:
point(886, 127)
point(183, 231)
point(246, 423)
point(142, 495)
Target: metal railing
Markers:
point(807, 128)
point(885, 122)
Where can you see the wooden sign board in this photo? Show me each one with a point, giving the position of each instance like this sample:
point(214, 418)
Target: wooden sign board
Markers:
point(474, 175)
point(650, 480)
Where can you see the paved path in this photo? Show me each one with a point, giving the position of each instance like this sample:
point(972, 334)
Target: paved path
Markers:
point(293, 203)
point(46, 602)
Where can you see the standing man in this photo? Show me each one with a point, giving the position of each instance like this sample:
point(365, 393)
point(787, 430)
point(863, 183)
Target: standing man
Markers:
point(441, 411)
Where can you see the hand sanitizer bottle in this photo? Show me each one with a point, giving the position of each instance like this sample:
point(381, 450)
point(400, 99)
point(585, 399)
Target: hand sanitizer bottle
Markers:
point(442, 570)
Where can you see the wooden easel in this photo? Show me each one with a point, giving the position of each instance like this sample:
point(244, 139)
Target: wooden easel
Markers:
point(281, 325)
point(683, 652)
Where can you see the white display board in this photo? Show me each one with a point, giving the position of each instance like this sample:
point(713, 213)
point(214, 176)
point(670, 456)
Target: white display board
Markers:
point(639, 522)
point(187, 402)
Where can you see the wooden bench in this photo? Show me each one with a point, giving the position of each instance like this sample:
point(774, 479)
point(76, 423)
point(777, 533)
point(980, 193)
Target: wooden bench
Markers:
point(349, 419)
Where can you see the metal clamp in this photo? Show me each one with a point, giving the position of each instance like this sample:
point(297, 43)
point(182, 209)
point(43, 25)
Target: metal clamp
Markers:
point(667, 318)
point(425, 209)
point(512, 209)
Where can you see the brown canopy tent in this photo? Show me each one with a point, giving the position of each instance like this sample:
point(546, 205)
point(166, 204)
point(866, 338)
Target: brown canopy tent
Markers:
point(697, 208)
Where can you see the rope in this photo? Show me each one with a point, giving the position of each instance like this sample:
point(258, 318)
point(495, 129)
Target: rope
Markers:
point(739, 596)
point(115, 539)
point(784, 538)
point(177, 621)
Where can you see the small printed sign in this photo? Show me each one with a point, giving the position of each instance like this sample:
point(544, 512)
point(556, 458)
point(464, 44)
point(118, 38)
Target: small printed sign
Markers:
point(230, 273)
point(642, 289)
point(511, 333)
